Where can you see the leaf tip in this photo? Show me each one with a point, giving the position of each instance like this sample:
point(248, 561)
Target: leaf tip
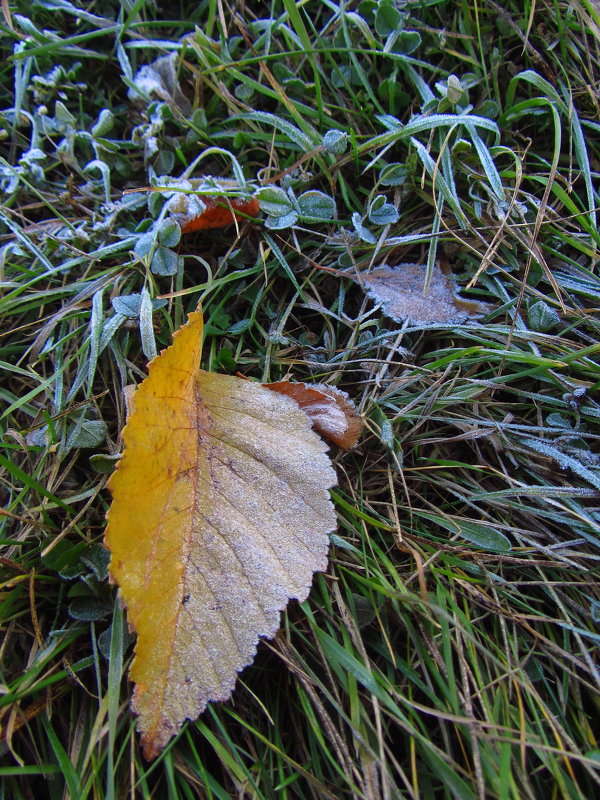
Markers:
point(331, 412)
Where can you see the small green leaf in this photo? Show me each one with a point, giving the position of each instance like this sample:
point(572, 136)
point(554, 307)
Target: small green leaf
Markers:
point(88, 609)
point(88, 433)
point(129, 304)
point(144, 226)
point(103, 464)
point(461, 147)
point(360, 229)
point(343, 75)
point(393, 174)
point(240, 327)
point(97, 558)
point(244, 92)
point(377, 203)
point(407, 42)
point(169, 233)
point(104, 124)
point(335, 142)
point(63, 555)
point(144, 244)
point(165, 162)
point(542, 317)
point(164, 261)
point(274, 202)
point(382, 212)
point(62, 113)
point(454, 91)
point(484, 536)
point(315, 205)
point(478, 533)
point(225, 358)
point(556, 420)
point(280, 223)
point(488, 108)
point(156, 201)
point(387, 18)
point(367, 10)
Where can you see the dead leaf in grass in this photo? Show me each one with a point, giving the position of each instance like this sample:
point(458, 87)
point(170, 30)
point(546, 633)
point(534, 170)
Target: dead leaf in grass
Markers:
point(198, 205)
point(220, 212)
point(220, 514)
point(399, 291)
point(159, 79)
point(330, 410)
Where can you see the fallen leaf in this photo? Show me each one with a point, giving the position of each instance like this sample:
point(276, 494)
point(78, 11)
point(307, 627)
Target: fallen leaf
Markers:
point(399, 291)
point(220, 514)
point(159, 79)
point(197, 203)
point(221, 211)
point(330, 410)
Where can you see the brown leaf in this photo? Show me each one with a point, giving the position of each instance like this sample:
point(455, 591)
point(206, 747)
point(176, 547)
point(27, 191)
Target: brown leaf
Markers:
point(220, 514)
point(197, 203)
point(221, 212)
point(330, 410)
point(400, 291)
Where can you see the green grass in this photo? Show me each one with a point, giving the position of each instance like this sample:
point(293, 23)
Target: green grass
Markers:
point(451, 649)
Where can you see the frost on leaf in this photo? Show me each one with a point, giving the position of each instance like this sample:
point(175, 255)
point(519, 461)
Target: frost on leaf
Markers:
point(220, 212)
point(220, 514)
point(159, 79)
point(400, 292)
point(330, 410)
point(200, 206)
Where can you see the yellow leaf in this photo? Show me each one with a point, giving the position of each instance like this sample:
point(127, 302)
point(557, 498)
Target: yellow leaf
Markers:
point(220, 514)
